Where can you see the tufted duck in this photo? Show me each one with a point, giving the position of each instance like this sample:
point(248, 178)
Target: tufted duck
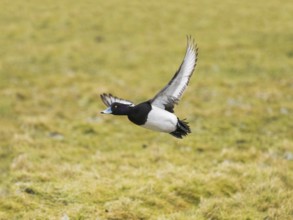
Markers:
point(157, 113)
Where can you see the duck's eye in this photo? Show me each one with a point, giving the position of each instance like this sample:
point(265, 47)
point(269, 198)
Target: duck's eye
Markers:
point(115, 106)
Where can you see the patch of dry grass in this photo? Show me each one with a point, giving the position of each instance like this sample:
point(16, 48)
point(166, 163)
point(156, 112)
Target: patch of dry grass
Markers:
point(61, 159)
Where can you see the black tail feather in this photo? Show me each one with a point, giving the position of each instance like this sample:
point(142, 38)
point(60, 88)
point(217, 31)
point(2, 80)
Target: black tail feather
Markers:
point(182, 129)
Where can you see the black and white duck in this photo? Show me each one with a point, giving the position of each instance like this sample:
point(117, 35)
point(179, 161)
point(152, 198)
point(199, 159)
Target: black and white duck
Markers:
point(158, 113)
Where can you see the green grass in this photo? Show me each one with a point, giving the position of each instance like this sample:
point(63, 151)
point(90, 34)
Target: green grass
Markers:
point(59, 157)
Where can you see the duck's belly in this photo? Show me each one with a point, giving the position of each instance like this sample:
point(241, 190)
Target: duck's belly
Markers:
point(161, 120)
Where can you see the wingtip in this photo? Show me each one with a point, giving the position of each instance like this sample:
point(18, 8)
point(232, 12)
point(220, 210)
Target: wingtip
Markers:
point(191, 43)
point(103, 97)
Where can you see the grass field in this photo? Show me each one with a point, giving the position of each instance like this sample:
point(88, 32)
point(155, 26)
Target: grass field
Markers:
point(61, 159)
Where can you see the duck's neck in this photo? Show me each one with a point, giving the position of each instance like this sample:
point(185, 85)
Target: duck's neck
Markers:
point(139, 113)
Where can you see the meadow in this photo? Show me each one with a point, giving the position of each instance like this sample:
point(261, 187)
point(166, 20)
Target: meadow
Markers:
point(61, 159)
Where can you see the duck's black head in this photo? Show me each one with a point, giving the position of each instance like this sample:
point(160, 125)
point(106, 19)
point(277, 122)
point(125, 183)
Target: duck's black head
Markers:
point(117, 108)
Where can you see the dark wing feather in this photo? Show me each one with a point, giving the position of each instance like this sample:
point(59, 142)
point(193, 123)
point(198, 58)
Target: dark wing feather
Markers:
point(108, 99)
point(172, 92)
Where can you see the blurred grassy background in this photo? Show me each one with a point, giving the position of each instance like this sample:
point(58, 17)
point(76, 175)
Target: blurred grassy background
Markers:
point(60, 158)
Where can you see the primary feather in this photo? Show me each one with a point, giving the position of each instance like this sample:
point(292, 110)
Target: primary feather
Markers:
point(172, 92)
point(109, 99)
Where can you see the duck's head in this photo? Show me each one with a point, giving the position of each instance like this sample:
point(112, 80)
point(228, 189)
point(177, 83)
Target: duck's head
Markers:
point(117, 109)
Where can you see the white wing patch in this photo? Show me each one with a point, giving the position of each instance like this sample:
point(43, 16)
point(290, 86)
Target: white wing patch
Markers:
point(173, 91)
point(108, 99)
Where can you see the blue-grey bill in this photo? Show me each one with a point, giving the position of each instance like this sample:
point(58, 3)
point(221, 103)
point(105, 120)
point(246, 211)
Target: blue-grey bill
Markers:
point(107, 111)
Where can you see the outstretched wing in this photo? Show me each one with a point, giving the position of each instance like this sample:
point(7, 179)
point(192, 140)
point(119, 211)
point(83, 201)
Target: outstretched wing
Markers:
point(173, 91)
point(108, 99)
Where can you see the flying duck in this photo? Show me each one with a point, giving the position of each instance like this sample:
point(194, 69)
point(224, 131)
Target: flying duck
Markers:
point(158, 113)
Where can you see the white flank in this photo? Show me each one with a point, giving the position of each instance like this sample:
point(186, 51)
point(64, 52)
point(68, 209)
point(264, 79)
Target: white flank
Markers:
point(161, 120)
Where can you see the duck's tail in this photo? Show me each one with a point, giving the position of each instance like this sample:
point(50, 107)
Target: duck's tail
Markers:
point(182, 129)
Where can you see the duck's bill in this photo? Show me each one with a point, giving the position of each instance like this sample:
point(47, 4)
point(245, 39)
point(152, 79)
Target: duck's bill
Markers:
point(107, 111)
